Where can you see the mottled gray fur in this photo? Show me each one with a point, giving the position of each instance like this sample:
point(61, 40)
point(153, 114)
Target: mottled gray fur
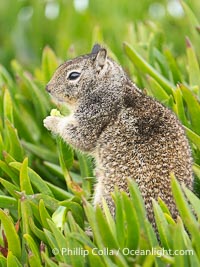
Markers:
point(128, 133)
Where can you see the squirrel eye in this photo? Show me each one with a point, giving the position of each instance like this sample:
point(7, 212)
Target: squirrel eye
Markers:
point(73, 75)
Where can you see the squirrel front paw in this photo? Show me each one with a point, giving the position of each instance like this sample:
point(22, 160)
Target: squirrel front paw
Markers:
point(51, 123)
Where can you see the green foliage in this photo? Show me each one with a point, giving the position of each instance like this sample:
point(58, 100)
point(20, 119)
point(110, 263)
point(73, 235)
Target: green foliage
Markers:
point(46, 186)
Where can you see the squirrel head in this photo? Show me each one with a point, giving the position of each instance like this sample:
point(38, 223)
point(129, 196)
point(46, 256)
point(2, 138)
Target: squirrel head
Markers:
point(82, 75)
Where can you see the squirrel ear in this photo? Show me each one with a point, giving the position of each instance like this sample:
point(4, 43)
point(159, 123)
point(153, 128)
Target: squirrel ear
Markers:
point(95, 49)
point(101, 58)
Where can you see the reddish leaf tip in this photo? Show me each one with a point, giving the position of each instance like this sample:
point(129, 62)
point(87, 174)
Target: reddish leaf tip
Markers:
point(188, 43)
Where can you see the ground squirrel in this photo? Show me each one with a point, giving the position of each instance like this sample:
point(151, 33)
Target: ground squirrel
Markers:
point(128, 133)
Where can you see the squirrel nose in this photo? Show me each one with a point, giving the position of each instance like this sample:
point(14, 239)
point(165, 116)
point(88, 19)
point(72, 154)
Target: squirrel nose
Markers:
point(48, 88)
